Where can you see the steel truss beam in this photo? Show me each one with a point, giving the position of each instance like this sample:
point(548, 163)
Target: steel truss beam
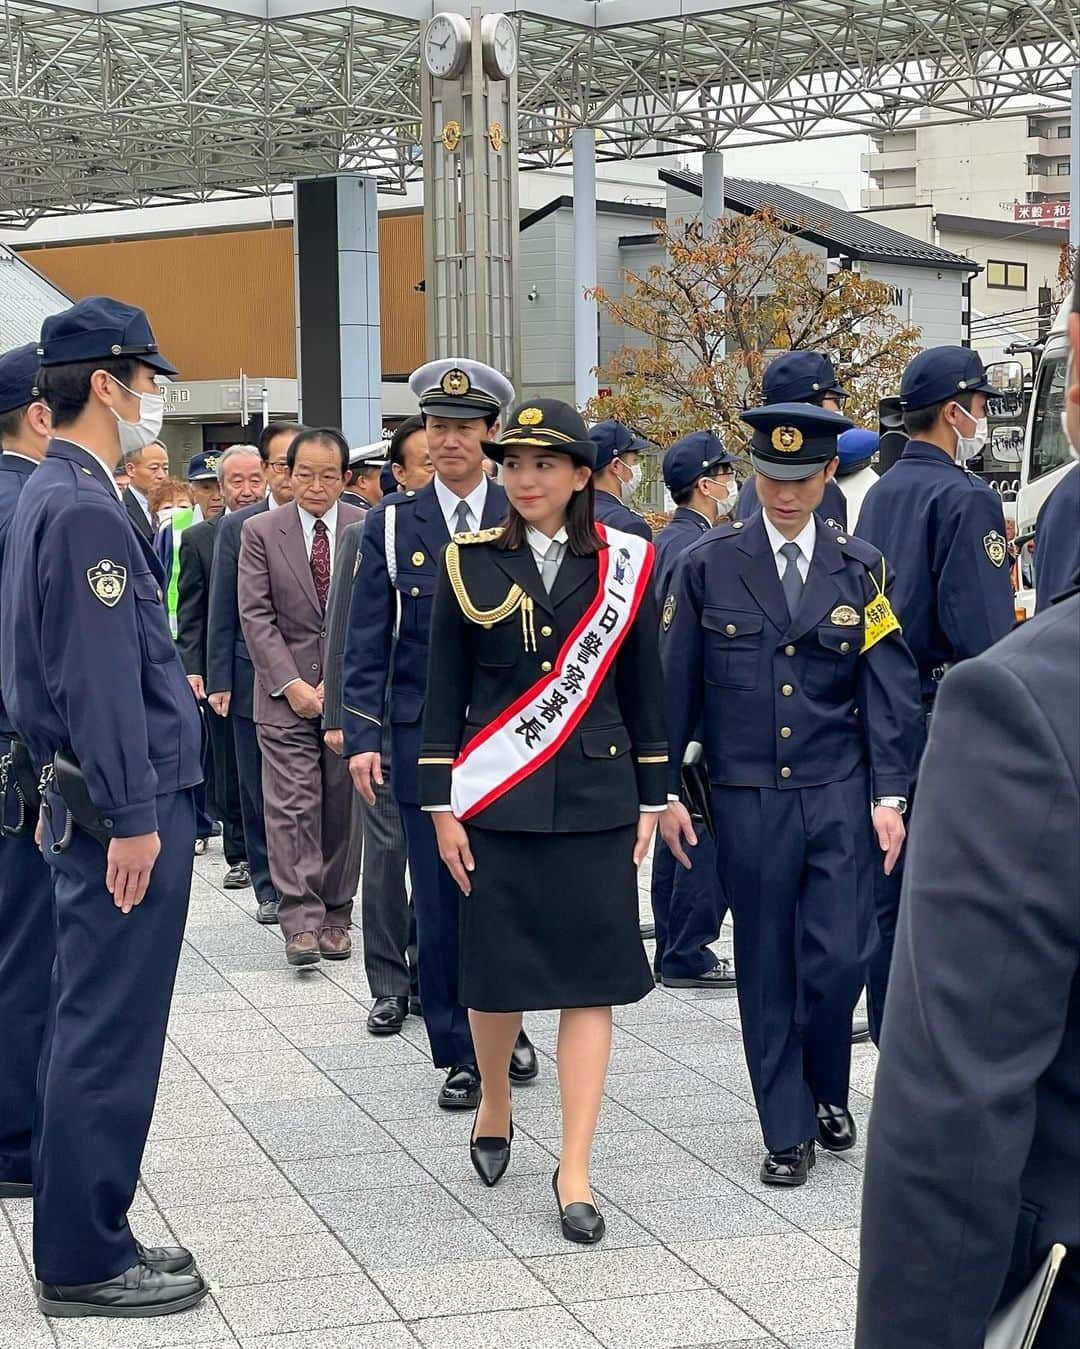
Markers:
point(108, 105)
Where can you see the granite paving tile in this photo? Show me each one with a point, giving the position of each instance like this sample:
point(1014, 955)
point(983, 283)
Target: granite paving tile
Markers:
point(271, 1260)
point(384, 1242)
point(591, 1274)
point(406, 1203)
point(458, 1288)
point(537, 1234)
point(210, 1185)
point(384, 1336)
point(801, 1307)
point(537, 1328)
point(667, 1320)
point(200, 1225)
point(844, 1241)
point(203, 1325)
point(713, 1105)
point(303, 1304)
point(778, 1257)
point(683, 1221)
point(359, 1171)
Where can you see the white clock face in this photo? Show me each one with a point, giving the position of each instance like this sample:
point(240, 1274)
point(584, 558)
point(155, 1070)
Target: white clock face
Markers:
point(446, 45)
point(504, 47)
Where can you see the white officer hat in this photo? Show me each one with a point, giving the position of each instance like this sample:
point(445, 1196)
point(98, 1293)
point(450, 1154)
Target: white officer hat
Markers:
point(458, 388)
point(374, 455)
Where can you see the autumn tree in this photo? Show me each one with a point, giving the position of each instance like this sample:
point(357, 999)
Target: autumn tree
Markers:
point(712, 316)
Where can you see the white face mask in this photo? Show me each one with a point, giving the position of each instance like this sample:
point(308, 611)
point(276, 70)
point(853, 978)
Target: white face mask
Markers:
point(136, 435)
point(726, 504)
point(967, 447)
point(628, 486)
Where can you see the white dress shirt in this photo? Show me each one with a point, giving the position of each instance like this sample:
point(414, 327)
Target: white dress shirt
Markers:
point(307, 524)
point(143, 501)
point(449, 502)
point(805, 538)
point(539, 543)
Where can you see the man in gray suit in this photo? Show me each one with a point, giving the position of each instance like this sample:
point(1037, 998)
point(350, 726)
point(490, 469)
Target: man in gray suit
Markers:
point(286, 562)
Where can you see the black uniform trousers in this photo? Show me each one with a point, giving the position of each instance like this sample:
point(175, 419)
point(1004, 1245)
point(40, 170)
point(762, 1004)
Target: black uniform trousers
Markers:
point(112, 988)
point(795, 865)
point(388, 920)
point(224, 800)
point(688, 909)
point(249, 782)
point(27, 949)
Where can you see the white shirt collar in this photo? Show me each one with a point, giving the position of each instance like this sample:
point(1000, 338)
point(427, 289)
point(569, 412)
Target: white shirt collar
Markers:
point(16, 454)
point(307, 522)
point(805, 537)
point(143, 500)
point(104, 467)
point(540, 543)
point(449, 500)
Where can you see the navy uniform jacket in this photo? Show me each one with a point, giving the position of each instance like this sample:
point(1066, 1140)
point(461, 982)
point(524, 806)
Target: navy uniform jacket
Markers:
point(228, 663)
point(15, 469)
point(193, 594)
point(943, 530)
point(974, 1141)
point(787, 704)
point(609, 510)
point(372, 656)
point(88, 661)
point(612, 763)
point(833, 504)
point(685, 527)
point(338, 602)
point(1057, 540)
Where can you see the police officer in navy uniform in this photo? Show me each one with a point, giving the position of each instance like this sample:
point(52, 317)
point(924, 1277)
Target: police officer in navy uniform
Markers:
point(617, 476)
point(26, 936)
point(688, 905)
point(94, 688)
point(801, 377)
point(366, 464)
point(943, 530)
point(781, 644)
point(387, 641)
point(1057, 540)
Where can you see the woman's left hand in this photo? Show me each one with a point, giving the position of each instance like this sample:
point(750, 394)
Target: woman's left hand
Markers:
point(646, 827)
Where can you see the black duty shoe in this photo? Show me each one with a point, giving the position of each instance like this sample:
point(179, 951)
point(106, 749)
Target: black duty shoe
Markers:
point(387, 1016)
point(523, 1064)
point(166, 1259)
point(416, 1007)
point(267, 911)
point(835, 1128)
point(790, 1167)
point(461, 1090)
point(139, 1291)
point(16, 1189)
point(491, 1156)
point(722, 975)
point(581, 1222)
point(237, 877)
point(860, 1030)
point(648, 931)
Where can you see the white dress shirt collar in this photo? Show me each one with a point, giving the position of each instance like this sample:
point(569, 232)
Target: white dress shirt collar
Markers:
point(307, 524)
point(17, 454)
point(144, 502)
point(540, 543)
point(805, 539)
point(449, 501)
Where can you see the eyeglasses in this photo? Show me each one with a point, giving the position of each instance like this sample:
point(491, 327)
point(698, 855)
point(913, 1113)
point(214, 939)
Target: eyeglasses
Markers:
point(279, 465)
point(304, 476)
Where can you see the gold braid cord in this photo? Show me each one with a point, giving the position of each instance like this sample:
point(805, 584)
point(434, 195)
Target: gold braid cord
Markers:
point(485, 617)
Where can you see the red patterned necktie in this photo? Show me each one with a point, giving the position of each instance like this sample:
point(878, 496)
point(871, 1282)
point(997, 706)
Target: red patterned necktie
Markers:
point(320, 562)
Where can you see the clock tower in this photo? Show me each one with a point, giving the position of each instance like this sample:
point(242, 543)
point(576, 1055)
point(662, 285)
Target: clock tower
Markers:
point(469, 86)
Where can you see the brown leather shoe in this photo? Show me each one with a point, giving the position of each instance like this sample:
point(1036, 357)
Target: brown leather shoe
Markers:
point(303, 949)
point(335, 943)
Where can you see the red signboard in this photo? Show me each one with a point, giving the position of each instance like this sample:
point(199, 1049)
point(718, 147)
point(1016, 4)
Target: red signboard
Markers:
point(1042, 212)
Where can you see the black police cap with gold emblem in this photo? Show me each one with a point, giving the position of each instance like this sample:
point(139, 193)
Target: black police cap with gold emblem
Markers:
point(792, 441)
point(546, 423)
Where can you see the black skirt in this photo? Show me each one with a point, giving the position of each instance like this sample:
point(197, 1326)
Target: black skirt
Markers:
point(552, 922)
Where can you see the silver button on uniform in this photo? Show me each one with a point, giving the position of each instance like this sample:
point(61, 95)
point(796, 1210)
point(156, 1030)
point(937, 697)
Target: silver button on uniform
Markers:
point(785, 772)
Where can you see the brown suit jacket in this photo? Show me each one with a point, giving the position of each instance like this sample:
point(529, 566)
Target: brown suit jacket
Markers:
point(283, 623)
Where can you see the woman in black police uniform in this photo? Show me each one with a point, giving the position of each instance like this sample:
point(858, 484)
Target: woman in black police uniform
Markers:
point(543, 729)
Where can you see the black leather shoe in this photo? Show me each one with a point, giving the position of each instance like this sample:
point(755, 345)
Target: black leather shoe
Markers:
point(581, 1222)
point(139, 1291)
point(387, 1016)
point(237, 877)
point(722, 975)
point(648, 931)
point(790, 1167)
point(416, 1007)
point(16, 1189)
point(523, 1064)
point(491, 1156)
point(836, 1130)
point(860, 1030)
point(461, 1090)
point(166, 1259)
point(268, 910)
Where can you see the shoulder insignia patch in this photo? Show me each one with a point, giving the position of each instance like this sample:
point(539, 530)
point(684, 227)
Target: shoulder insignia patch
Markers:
point(668, 616)
point(997, 550)
point(479, 535)
point(844, 616)
point(108, 580)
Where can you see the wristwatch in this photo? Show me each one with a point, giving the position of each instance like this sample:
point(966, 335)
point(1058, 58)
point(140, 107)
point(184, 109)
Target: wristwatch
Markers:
point(896, 802)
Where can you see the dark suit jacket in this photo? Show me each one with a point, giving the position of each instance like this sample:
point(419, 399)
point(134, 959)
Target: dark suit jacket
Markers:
point(193, 594)
point(283, 622)
point(228, 664)
point(15, 470)
point(137, 515)
point(974, 1141)
point(346, 563)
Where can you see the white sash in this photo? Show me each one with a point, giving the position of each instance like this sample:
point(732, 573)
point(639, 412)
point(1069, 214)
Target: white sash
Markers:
point(537, 724)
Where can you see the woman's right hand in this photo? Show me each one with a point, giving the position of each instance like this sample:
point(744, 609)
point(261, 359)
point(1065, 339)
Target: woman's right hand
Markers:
point(454, 848)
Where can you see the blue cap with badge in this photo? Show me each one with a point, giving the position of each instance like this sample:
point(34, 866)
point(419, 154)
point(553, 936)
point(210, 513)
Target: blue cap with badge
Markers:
point(97, 328)
point(460, 389)
point(856, 446)
point(613, 438)
point(691, 456)
point(18, 377)
point(792, 441)
point(941, 373)
point(799, 377)
point(204, 466)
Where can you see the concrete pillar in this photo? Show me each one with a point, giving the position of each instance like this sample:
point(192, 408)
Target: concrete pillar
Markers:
point(712, 199)
point(586, 333)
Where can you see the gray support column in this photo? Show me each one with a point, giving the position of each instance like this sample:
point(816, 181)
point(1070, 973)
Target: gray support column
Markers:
point(712, 198)
point(1074, 153)
point(586, 333)
point(338, 339)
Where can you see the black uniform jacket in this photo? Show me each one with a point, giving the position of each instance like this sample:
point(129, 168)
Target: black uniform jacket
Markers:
point(614, 761)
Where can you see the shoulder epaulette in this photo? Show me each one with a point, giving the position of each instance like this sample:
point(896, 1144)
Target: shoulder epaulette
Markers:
point(852, 546)
point(479, 535)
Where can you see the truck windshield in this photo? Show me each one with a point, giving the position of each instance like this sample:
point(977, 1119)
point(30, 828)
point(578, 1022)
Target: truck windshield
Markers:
point(1049, 447)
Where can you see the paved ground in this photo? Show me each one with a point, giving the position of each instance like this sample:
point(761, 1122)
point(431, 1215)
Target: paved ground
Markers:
point(334, 1207)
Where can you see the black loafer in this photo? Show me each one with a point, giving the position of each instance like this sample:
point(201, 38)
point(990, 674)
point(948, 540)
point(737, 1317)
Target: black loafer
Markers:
point(580, 1222)
point(166, 1259)
point(860, 1030)
point(138, 1291)
point(523, 1064)
point(268, 911)
point(836, 1130)
point(789, 1167)
point(387, 1016)
point(237, 877)
point(461, 1090)
point(16, 1189)
point(722, 975)
point(491, 1156)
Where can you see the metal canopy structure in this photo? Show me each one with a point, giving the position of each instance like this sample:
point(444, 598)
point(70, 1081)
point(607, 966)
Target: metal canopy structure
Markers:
point(118, 103)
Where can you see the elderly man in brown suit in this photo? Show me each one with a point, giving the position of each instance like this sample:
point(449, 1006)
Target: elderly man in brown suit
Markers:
point(286, 561)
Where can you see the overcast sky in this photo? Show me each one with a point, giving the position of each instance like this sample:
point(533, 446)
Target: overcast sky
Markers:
point(825, 163)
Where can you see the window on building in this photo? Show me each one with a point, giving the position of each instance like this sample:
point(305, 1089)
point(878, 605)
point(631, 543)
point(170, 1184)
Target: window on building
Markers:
point(1064, 166)
point(1006, 275)
point(1064, 131)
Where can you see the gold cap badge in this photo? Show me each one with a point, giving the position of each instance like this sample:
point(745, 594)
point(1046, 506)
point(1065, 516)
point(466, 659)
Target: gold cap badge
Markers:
point(787, 439)
point(530, 417)
point(456, 383)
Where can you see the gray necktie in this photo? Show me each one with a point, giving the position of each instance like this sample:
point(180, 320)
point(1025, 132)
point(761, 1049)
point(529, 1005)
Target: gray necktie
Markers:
point(461, 516)
point(791, 581)
point(549, 568)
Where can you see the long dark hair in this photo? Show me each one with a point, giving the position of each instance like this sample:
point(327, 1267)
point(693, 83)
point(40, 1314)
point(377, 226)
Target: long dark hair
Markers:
point(581, 534)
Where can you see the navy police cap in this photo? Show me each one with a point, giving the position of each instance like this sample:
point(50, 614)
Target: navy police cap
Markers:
point(941, 373)
point(545, 423)
point(691, 456)
point(203, 466)
point(98, 328)
point(613, 438)
point(792, 441)
point(18, 377)
point(798, 377)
